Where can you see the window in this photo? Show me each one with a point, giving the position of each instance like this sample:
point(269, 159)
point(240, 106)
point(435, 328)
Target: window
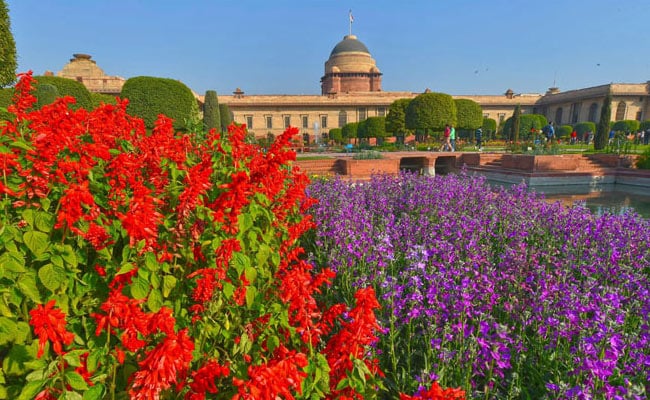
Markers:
point(593, 111)
point(361, 114)
point(249, 121)
point(287, 121)
point(575, 114)
point(638, 115)
point(323, 121)
point(343, 118)
point(269, 122)
point(620, 111)
point(502, 117)
point(558, 116)
point(305, 121)
point(381, 112)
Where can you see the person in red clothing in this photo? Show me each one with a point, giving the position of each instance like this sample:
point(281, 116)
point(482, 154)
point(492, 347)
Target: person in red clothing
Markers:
point(574, 137)
point(446, 140)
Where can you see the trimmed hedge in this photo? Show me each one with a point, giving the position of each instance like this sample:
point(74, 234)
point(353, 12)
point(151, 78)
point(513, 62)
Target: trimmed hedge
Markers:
point(45, 94)
point(6, 94)
point(526, 123)
point(211, 117)
point(149, 96)
point(627, 126)
point(66, 87)
point(336, 134)
point(99, 98)
point(431, 111)
point(469, 114)
point(584, 127)
point(226, 117)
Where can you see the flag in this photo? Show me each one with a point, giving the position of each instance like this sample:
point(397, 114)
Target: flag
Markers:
point(351, 17)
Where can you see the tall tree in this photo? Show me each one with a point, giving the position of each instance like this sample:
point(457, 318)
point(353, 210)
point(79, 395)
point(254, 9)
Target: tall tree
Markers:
point(8, 63)
point(211, 116)
point(600, 140)
point(516, 121)
point(430, 111)
point(396, 118)
point(226, 117)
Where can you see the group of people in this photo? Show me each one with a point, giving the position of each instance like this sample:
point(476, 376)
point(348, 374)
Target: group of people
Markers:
point(449, 139)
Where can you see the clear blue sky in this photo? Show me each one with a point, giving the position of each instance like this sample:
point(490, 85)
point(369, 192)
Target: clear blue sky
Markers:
point(280, 46)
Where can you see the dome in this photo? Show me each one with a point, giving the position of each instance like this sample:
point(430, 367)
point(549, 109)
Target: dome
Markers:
point(350, 43)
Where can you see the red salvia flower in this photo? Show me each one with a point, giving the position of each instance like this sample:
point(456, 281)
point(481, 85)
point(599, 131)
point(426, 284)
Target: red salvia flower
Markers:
point(203, 380)
point(49, 324)
point(164, 365)
point(436, 393)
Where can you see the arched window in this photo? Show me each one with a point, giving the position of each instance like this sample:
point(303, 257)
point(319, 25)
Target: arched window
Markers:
point(558, 116)
point(593, 111)
point(343, 118)
point(620, 111)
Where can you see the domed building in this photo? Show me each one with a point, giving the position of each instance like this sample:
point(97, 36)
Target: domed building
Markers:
point(85, 70)
point(350, 68)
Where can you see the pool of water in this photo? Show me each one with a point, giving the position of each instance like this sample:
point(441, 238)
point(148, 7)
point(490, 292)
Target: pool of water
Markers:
point(615, 199)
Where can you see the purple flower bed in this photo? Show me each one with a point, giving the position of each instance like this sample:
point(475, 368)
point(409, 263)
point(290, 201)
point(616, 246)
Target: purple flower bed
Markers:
point(494, 291)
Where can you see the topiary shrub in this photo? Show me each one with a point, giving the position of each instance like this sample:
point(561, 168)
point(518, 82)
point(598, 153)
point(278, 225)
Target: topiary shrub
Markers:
point(226, 116)
point(627, 126)
point(66, 87)
point(564, 131)
point(527, 122)
point(584, 127)
point(430, 111)
point(211, 116)
point(6, 95)
point(100, 98)
point(336, 134)
point(149, 97)
point(46, 94)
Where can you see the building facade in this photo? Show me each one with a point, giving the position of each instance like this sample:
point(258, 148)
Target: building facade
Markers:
point(351, 92)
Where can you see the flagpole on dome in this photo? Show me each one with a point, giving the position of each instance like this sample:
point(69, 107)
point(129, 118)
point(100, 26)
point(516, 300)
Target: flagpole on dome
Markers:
point(351, 21)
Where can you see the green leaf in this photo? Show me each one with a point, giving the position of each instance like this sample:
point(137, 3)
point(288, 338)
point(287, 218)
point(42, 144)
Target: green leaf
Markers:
point(125, 268)
point(245, 222)
point(11, 262)
point(240, 261)
point(139, 288)
point(169, 283)
point(155, 300)
point(75, 381)
point(30, 390)
point(69, 256)
point(28, 216)
point(43, 221)
point(94, 393)
point(57, 260)
point(150, 262)
point(251, 274)
point(7, 330)
point(70, 396)
point(74, 357)
point(263, 254)
point(251, 294)
point(93, 359)
point(27, 286)
point(52, 276)
point(19, 144)
point(37, 242)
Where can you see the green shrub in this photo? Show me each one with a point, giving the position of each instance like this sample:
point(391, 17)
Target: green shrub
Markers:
point(584, 127)
point(645, 124)
point(149, 96)
point(336, 134)
point(226, 117)
point(526, 123)
point(46, 94)
point(628, 125)
point(101, 98)
point(564, 131)
point(66, 87)
point(431, 111)
point(6, 94)
point(211, 117)
point(643, 162)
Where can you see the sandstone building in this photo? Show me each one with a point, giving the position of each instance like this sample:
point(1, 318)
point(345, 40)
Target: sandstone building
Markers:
point(351, 92)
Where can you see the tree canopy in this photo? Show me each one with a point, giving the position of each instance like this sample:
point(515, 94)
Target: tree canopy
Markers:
point(396, 118)
point(149, 96)
point(8, 63)
point(431, 111)
point(211, 116)
point(469, 114)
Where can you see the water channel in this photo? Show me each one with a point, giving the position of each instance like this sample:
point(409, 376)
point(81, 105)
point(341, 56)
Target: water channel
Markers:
point(612, 198)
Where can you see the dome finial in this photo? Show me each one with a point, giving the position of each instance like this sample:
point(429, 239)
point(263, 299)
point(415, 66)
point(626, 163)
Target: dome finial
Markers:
point(351, 18)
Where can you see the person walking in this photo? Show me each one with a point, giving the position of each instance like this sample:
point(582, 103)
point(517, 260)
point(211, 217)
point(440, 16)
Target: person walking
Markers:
point(446, 144)
point(478, 135)
point(452, 138)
